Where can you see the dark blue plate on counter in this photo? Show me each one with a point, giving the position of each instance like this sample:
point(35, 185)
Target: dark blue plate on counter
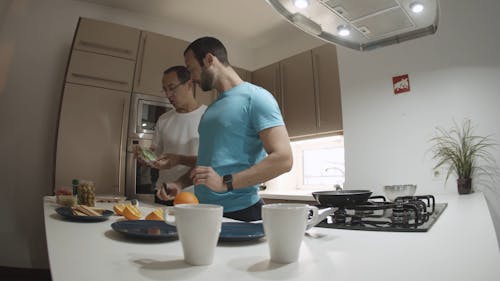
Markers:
point(240, 231)
point(67, 213)
point(146, 229)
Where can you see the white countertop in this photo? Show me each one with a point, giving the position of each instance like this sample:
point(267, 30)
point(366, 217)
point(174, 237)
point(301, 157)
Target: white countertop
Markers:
point(460, 246)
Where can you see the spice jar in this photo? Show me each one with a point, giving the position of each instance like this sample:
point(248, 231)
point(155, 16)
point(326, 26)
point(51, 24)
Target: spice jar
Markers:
point(86, 193)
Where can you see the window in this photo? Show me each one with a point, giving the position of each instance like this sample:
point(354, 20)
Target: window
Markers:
point(318, 164)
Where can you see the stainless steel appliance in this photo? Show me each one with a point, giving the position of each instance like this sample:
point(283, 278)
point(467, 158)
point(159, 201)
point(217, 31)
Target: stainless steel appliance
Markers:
point(144, 113)
point(405, 214)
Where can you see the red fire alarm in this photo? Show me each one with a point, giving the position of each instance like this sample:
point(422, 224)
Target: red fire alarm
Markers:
point(401, 84)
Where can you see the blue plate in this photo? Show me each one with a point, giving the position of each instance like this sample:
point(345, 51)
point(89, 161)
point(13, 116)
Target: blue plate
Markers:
point(145, 229)
point(240, 231)
point(67, 213)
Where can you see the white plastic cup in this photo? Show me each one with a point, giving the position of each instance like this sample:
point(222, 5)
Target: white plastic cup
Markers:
point(284, 226)
point(198, 227)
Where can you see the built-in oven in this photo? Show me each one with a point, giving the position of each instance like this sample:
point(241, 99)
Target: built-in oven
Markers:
point(140, 180)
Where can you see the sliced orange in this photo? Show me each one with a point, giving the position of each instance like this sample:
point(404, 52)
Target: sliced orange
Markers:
point(131, 212)
point(118, 208)
point(156, 215)
point(185, 198)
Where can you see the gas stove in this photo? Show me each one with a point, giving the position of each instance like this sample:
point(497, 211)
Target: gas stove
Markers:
point(405, 214)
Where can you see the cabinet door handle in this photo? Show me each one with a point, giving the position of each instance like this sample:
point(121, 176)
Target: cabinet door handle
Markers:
point(142, 59)
point(122, 148)
point(86, 76)
point(315, 65)
point(104, 47)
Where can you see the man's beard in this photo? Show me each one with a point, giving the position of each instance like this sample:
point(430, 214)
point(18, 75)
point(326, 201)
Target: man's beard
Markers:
point(206, 80)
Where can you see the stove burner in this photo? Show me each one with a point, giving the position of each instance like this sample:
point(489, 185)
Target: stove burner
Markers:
point(406, 214)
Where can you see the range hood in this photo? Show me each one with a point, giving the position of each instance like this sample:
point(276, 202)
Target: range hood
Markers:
point(361, 24)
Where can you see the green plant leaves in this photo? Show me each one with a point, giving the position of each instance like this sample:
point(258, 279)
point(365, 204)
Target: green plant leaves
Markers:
point(463, 153)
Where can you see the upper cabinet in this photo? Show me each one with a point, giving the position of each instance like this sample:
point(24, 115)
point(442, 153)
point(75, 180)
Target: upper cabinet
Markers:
point(107, 39)
point(299, 101)
point(156, 54)
point(269, 78)
point(100, 71)
point(307, 89)
point(327, 86)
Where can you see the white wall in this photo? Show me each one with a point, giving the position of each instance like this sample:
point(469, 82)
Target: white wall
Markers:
point(454, 74)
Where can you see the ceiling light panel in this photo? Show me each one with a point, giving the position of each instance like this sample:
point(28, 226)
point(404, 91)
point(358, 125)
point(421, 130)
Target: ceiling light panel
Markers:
point(372, 23)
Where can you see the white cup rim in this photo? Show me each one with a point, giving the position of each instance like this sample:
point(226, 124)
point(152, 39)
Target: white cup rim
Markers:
point(285, 206)
point(207, 207)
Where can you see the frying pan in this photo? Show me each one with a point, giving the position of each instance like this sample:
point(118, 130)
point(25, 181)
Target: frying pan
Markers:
point(341, 198)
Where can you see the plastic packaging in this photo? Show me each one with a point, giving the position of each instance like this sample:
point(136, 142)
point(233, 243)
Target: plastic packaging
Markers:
point(86, 193)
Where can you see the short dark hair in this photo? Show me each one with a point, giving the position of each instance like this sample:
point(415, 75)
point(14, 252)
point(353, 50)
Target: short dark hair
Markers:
point(204, 45)
point(182, 73)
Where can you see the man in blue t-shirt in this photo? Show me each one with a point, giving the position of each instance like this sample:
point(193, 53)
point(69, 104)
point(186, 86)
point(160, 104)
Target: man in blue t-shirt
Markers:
point(243, 139)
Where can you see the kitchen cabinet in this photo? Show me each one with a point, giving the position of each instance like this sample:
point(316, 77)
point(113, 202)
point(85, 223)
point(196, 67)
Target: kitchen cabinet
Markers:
point(299, 101)
point(327, 87)
point(156, 53)
point(107, 39)
point(100, 71)
point(268, 77)
point(92, 137)
point(307, 89)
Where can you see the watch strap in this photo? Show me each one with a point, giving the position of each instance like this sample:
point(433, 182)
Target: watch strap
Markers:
point(228, 181)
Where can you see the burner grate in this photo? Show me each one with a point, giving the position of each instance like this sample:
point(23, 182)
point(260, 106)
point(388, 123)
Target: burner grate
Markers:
point(405, 214)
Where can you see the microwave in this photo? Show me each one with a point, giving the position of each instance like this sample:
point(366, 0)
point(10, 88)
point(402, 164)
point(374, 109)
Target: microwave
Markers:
point(145, 110)
point(144, 113)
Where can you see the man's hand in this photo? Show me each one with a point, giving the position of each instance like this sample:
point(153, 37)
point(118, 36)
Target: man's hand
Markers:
point(168, 191)
point(167, 161)
point(208, 177)
point(138, 156)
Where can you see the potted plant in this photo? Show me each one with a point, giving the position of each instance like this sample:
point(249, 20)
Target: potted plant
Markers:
point(464, 154)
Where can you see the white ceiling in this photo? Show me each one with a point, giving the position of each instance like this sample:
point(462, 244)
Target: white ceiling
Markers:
point(250, 23)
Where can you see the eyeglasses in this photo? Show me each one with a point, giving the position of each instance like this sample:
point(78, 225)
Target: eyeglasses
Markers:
point(172, 88)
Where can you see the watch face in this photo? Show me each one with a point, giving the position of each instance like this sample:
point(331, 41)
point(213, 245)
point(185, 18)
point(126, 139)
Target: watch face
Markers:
point(227, 178)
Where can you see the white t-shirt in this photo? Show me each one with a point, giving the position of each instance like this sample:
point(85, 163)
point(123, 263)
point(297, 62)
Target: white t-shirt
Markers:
point(177, 133)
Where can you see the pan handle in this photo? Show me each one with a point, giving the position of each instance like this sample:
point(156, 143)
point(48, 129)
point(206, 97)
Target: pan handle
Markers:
point(319, 216)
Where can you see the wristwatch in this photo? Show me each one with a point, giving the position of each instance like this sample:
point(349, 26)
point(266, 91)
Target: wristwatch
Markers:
point(228, 180)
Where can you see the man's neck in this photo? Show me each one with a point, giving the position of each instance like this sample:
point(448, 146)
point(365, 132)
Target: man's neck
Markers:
point(191, 106)
point(227, 79)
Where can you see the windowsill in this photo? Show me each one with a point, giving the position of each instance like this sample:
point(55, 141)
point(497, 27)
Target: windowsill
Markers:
point(302, 195)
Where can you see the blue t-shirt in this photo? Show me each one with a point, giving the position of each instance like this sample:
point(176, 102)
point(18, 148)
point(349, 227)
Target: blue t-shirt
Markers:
point(229, 140)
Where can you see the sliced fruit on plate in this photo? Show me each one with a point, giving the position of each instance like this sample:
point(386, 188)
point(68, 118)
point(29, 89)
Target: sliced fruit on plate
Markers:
point(118, 208)
point(131, 212)
point(156, 215)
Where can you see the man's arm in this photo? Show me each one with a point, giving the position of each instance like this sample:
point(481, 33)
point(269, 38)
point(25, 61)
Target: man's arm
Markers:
point(169, 160)
point(169, 190)
point(279, 160)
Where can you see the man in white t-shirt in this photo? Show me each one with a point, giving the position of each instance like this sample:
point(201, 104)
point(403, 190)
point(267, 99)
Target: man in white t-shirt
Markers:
point(176, 131)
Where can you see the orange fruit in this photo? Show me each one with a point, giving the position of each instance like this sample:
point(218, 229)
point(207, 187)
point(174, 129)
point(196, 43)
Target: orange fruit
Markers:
point(185, 198)
point(131, 212)
point(156, 215)
point(118, 208)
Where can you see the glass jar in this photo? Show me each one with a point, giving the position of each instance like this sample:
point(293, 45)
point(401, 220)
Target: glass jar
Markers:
point(86, 193)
